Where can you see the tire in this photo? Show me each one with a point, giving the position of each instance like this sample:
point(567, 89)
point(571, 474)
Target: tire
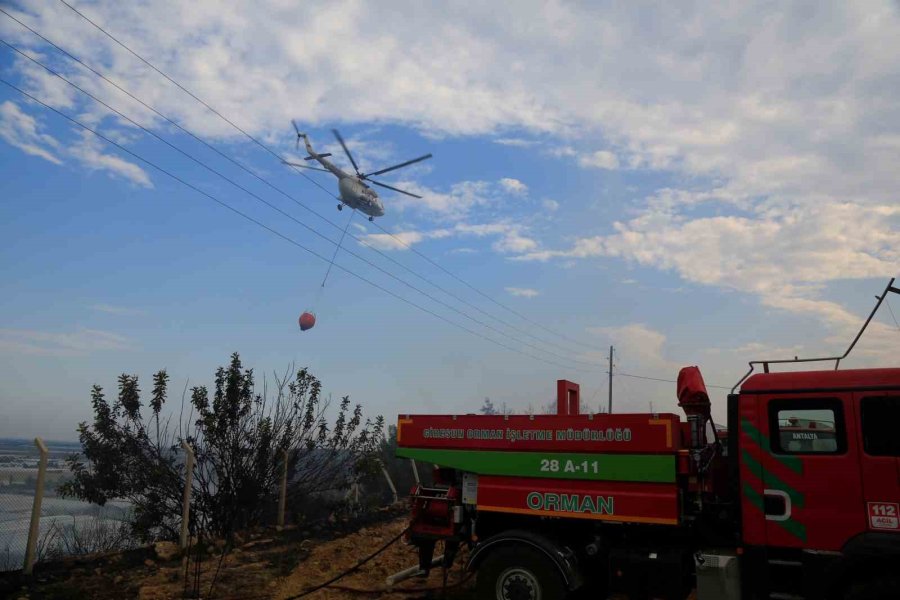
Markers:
point(519, 572)
point(881, 588)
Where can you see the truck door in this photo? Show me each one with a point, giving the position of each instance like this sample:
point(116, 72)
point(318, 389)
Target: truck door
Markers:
point(812, 494)
point(879, 416)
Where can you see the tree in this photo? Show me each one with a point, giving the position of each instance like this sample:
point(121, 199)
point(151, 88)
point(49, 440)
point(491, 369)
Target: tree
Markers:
point(487, 408)
point(240, 438)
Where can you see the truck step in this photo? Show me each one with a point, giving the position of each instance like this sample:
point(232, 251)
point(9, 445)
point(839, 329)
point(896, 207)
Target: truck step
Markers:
point(785, 563)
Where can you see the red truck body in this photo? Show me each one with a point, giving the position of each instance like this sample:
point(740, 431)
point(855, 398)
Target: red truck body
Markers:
point(802, 497)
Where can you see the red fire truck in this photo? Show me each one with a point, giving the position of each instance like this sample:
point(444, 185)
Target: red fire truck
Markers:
point(801, 501)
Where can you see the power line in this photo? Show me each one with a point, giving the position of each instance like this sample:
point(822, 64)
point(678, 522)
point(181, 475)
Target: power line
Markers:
point(268, 183)
point(289, 216)
point(270, 151)
point(274, 231)
point(891, 310)
point(482, 294)
point(633, 376)
point(400, 241)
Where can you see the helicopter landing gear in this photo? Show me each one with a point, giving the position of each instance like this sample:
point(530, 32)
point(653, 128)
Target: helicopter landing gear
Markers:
point(371, 218)
point(340, 207)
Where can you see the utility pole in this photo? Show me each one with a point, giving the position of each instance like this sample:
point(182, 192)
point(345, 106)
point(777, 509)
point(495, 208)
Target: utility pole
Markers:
point(610, 378)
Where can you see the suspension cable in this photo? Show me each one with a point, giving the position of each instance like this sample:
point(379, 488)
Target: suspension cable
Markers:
point(276, 155)
point(276, 232)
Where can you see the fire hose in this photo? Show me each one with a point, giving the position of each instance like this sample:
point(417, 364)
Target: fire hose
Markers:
point(340, 576)
point(330, 582)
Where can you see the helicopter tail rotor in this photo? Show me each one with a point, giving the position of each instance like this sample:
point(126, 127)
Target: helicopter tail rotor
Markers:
point(299, 134)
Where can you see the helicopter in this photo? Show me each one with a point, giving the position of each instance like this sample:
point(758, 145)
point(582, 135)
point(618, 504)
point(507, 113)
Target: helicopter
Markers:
point(354, 191)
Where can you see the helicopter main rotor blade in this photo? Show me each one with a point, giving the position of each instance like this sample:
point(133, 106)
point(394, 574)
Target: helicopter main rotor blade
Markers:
point(401, 165)
point(344, 146)
point(299, 166)
point(384, 185)
point(297, 129)
point(319, 155)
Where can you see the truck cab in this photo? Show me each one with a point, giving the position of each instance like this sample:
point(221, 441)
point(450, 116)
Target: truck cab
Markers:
point(818, 480)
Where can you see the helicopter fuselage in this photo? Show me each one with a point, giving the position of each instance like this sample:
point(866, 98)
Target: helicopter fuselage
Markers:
point(359, 196)
point(354, 193)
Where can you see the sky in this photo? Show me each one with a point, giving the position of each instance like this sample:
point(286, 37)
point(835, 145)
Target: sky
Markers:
point(694, 184)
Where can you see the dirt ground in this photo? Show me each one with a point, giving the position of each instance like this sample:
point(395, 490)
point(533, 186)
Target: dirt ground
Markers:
point(327, 560)
point(264, 565)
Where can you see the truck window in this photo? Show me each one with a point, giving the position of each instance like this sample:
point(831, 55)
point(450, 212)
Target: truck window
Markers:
point(807, 426)
point(879, 419)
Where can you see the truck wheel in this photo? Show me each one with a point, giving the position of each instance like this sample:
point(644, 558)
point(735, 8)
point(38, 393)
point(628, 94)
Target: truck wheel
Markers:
point(518, 573)
point(882, 588)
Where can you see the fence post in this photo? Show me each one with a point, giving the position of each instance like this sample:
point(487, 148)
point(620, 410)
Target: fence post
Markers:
point(34, 530)
point(282, 495)
point(415, 470)
point(186, 502)
point(390, 481)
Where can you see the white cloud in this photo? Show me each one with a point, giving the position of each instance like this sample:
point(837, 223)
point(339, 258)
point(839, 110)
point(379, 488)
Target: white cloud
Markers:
point(522, 292)
point(581, 248)
point(401, 240)
point(21, 130)
point(786, 122)
point(454, 204)
point(42, 84)
point(514, 186)
point(117, 310)
point(550, 205)
point(460, 199)
point(639, 350)
point(516, 142)
point(88, 152)
point(81, 341)
point(781, 255)
point(601, 159)
point(597, 159)
point(510, 238)
point(514, 243)
point(641, 344)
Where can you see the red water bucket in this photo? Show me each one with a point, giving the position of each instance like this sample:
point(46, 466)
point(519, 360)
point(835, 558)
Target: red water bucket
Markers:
point(307, 321)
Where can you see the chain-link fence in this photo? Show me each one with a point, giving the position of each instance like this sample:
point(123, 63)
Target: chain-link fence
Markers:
point(62, 526)
point(15, 515)
point(30, 474)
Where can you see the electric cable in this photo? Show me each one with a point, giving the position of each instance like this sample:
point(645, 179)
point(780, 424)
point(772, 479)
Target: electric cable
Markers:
point(337, 248)
point(279, 234)
point(265, 181)
point(891, 310)
point(268, 150)
point(276, 155)
point(289, 216)
point(633, 376)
